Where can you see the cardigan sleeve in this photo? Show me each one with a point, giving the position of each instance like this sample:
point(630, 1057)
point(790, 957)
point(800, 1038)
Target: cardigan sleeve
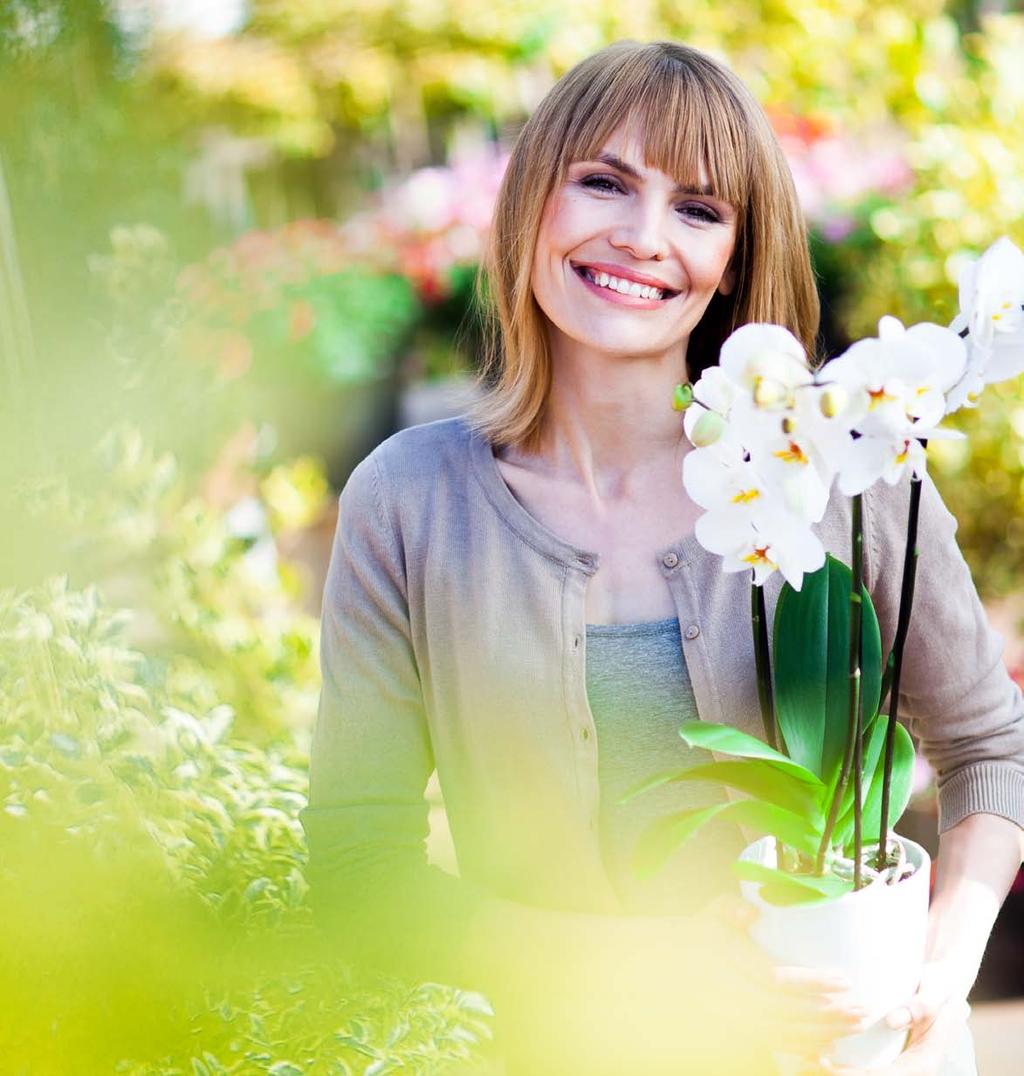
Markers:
point(370, 759)
point(961, 703)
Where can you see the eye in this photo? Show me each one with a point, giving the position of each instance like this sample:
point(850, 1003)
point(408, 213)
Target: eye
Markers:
point(699, 211)
point(601, 183)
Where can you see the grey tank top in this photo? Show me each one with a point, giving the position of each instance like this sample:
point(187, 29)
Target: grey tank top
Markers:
point(639, 692)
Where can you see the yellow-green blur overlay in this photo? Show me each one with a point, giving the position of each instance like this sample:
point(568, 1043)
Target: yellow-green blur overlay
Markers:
point(192, 357)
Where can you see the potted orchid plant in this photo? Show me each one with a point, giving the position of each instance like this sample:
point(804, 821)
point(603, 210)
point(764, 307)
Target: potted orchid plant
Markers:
point(834, 886)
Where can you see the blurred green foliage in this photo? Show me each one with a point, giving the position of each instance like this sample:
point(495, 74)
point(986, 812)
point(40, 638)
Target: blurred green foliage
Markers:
point(151, 879)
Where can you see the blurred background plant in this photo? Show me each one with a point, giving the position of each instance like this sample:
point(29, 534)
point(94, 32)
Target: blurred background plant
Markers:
point(236, 240)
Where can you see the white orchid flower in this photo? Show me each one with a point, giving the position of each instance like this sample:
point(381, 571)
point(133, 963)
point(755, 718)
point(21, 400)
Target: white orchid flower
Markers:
point(767, 362)
point(899, 379)
point(747, 519)
point(991, 316)
point(715, 390)
point(723, 478)
point(789, 466)
point(770, 540)
point(992, 293)
point(873, 457)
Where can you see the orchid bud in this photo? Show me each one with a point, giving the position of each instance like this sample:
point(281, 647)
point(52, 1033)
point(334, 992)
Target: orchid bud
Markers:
point(769, 393)
point(707, 429)
point(682, 397)
point(833, 401)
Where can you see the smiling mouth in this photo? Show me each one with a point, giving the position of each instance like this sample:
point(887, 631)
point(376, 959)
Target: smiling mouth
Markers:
point(622, 285)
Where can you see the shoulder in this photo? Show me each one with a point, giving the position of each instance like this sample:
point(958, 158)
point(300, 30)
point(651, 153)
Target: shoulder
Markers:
point(427, 451)
point(414, 469)
point(887, 514)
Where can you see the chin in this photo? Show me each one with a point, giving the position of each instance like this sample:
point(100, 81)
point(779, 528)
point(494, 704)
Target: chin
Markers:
point(625, 341)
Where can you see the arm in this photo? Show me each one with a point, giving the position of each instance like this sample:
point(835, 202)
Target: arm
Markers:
point(978, 861)
point(969, 718)
point(371, 887)
point(962, 705)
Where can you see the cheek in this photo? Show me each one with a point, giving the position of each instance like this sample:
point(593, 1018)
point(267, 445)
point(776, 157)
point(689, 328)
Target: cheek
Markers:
point(714, 261)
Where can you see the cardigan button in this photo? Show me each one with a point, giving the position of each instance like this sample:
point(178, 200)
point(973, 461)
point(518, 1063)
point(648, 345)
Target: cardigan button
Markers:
point(670, 560)
point(692, 631)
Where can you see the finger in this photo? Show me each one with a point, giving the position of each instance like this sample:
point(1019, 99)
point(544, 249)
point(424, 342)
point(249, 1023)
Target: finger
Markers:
point(917, 1016)
point(832, 1069)
point(810, 980)
point(815, 1031)
point(935, 1037)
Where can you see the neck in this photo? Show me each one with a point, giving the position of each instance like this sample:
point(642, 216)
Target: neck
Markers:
point(609, 421)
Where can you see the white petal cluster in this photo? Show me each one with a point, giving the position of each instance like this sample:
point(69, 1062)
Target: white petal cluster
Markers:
point(771, 436)
point(895, 387)
point(991, 319)
point(754, 469)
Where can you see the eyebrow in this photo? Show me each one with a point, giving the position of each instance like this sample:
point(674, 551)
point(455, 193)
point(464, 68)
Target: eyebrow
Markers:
point(627, 169)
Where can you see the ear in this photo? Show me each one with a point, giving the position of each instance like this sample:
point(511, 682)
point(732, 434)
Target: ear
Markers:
point(728, 281)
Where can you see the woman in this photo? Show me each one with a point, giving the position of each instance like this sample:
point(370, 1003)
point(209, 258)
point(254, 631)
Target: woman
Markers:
point(509, 592)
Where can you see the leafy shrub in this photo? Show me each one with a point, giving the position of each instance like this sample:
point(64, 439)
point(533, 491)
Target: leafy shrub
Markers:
point(152, 877)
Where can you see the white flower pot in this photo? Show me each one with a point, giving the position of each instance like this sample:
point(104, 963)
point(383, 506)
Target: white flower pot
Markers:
point(875, 938)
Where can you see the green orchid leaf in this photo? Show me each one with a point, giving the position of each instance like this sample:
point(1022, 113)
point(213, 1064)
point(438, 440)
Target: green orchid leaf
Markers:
point(778, 887)
point(801, 793)
point(727, 740)
point(887, 674)
point(668, 834)
point(874, 767)
point(811, 660)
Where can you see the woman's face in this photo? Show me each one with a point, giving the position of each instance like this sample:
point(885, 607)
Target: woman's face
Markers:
point(614, 227)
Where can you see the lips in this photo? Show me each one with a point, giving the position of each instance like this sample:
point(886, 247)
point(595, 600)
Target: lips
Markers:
point(623, 273)
point(585, 269)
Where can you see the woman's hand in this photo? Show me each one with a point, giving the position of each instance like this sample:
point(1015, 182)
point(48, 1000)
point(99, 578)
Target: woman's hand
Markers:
point(936, 1022)
point(817, 1013)
point(978, 860)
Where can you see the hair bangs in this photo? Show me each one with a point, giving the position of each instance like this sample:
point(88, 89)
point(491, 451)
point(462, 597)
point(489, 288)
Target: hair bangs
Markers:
point(686, 127)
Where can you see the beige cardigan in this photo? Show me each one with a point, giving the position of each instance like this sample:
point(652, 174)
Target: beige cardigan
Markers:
point(454, 636)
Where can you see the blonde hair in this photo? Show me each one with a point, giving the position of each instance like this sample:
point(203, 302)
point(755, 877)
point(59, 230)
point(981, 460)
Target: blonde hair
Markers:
point(691, 113)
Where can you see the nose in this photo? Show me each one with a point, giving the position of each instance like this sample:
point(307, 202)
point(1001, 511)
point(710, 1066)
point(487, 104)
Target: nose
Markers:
point(641, 231)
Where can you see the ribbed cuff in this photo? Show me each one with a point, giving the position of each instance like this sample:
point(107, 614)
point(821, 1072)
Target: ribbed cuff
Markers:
point(982, 788)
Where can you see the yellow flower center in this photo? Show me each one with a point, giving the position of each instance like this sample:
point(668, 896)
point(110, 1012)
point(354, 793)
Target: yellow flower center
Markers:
point(792, 454)
point(759, 555)
point(745, 496)
point(878, 397)
point(902, 457)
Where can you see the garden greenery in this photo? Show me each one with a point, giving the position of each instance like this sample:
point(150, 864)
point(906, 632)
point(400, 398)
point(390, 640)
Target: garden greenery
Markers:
point(152, 870)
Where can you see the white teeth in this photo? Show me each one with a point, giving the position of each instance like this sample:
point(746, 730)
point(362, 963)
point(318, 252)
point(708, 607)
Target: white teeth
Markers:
point(623, 287)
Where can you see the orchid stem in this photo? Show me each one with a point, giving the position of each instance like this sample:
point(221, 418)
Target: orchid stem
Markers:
point(902, 628)
point(759, 619)
point(852, 752)
point(762, 661)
